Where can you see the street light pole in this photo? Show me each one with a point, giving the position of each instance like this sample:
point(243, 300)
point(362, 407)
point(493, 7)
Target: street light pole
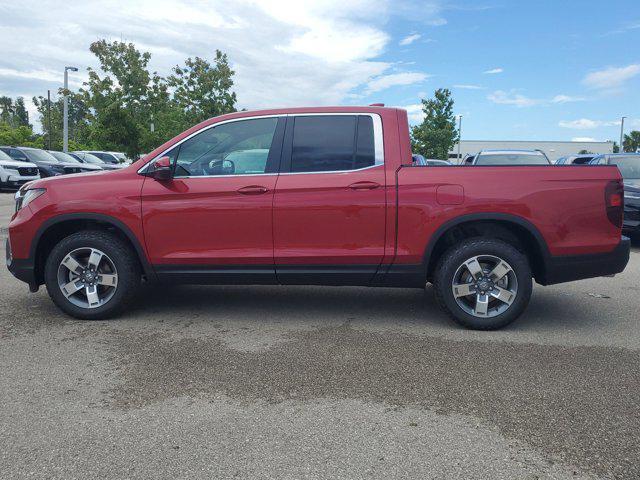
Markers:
point(459, 135)
point(621, 149)
point(65, 110)
point(49, 118)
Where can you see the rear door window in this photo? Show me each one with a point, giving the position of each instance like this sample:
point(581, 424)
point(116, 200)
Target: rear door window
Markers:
point(329, 143)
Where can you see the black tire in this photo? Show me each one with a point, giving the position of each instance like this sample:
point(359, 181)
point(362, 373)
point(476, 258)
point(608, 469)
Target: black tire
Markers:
point(457, 255)
point(123, 258)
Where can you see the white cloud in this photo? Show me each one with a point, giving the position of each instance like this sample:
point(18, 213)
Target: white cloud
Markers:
point(394, 79)
point(583, 139)
point(469, 87)
point(625, 28)
point(566, 99)
point(516, 99)
point(408, 40)
point(586, 124)
point(414, 112)
point(611, 78)
point(493, 71)
point(438, 22)
point(284, 52)
point(511, 98)
point(47, 75)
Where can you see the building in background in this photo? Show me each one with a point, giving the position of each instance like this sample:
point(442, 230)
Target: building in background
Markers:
point(553, 150)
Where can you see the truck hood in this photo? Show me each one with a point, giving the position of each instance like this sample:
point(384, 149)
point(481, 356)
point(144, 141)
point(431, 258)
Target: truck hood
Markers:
point(16, 164)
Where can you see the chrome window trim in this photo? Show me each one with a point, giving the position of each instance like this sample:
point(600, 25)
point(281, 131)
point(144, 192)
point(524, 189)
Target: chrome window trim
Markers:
point(332, 171)
point(378, 141)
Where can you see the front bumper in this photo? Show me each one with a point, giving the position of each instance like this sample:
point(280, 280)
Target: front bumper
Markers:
point(22, 269)
point(568, 268)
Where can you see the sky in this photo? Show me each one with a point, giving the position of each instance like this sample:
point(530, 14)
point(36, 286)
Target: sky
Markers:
point(518, 70)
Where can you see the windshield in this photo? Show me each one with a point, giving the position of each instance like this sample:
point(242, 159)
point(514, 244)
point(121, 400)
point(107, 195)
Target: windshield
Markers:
point(629, 166)
point(511, 159)
point(40, 156)
point(5, 157)
point(87, 157)
point(64, 157)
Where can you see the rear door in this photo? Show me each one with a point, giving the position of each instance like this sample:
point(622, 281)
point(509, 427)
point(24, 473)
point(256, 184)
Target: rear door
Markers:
point(329, 206)
point(213, 221)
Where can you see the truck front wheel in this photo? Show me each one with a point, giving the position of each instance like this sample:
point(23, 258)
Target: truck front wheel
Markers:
point(92, 275)
point(483, 284)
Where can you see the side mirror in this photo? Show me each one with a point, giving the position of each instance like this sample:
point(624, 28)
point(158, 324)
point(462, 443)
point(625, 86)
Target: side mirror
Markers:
point(161, 169)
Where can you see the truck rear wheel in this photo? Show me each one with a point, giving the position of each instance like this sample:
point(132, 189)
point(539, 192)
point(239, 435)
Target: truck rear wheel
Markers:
point(483, 284)
point(92, 275)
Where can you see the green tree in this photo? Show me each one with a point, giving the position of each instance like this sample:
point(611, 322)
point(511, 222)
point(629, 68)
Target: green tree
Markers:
point(14, 124)
point(632, 141)
point(437, 133)
point(203, 90)
point(125, 107)
point(79, 119)
point(6, 110)
point(20, 115)
point(115, 129)
point(126, 90)
point(19, 136)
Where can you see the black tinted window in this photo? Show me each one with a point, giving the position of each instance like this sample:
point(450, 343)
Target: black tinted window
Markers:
point(17, 155)
point(332, 143)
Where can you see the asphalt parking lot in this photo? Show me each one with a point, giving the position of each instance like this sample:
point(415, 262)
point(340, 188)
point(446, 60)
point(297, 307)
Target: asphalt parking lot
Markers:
point(309, 382)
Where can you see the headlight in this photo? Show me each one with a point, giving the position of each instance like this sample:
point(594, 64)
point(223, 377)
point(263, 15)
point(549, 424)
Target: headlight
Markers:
point(25, 196)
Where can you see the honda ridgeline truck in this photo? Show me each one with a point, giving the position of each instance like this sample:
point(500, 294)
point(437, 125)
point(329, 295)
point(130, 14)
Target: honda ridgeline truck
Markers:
point(316, 196)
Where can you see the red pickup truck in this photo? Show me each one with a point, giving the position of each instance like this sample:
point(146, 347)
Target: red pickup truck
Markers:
point(323, 196)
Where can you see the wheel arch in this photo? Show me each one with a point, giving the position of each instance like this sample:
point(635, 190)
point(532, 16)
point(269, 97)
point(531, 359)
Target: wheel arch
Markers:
point(512, 228)
point(58, 227)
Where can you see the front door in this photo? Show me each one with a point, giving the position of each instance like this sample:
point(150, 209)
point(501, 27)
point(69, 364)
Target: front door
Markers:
point(213, 221)
point(330, 205)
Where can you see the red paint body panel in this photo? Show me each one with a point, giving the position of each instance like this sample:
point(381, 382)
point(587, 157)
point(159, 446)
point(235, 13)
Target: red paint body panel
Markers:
point(565, 204)
point(317, 218)
point(207, 221)
point(115, 193)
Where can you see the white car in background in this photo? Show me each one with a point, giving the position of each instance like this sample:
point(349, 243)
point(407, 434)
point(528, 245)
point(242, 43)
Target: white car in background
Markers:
point(14, 173)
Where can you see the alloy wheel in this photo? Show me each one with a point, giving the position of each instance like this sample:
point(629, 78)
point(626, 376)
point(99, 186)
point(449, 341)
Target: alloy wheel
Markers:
point(87, 277)
point(484, 286)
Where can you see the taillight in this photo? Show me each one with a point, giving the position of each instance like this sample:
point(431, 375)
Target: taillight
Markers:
point(614, 200)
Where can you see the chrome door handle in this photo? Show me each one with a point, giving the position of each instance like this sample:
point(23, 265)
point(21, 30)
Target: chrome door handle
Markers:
point(364, 186)
point(253, 190)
